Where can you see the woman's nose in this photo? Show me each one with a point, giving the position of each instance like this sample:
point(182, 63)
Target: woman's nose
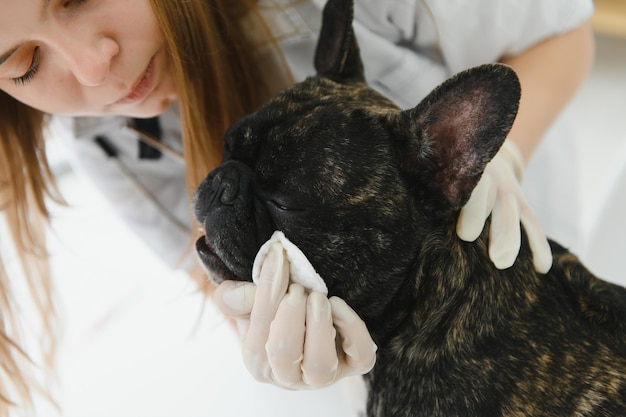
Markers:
point(91, 63)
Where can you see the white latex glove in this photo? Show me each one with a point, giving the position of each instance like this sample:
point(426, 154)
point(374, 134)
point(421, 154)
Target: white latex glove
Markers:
point(499, 193)
point(291, 338)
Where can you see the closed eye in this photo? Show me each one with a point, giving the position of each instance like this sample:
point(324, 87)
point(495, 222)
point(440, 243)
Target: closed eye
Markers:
point(282, 207)
point(32, 69)
point(73, 3)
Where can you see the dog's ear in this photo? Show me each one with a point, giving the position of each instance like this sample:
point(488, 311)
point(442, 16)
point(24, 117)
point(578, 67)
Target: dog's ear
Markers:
point(445, 142)
point(337, 53)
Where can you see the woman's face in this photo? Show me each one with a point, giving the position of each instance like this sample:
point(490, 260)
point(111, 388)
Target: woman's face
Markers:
point(84, 57)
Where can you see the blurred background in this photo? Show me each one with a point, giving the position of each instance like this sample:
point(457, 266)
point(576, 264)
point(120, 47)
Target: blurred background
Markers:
point(136, 340)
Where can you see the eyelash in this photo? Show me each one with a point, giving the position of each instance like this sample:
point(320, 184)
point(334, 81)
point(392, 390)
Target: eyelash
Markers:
point(32, 70)
point(34, 65)
point(74, 3)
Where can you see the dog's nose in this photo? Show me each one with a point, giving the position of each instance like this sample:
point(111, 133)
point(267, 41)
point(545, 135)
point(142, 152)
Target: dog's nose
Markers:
point(226, 186)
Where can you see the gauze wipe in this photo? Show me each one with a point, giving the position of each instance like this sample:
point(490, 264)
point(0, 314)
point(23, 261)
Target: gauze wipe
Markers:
point(301, 270)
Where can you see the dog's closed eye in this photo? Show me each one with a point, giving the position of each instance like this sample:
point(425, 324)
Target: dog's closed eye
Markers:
point(284, 207)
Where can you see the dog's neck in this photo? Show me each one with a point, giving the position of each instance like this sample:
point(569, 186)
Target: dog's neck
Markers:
point(457, 292)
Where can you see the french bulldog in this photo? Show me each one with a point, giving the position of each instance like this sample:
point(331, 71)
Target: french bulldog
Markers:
point(371, 194)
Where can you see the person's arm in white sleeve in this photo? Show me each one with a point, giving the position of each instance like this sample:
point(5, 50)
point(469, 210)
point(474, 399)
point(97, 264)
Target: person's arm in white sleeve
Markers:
point(550, 72)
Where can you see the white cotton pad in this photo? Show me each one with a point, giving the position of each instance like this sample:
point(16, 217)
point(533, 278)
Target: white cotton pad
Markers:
point(302, 272)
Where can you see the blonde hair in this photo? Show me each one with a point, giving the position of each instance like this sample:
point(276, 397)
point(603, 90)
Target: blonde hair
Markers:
point(25, 183)
point(217, 57)
point(217, 81)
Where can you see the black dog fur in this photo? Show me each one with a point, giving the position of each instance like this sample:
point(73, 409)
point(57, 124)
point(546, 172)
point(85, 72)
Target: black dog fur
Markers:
point(371, 195)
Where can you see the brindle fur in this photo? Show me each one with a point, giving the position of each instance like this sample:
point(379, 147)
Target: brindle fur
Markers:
point(371, 194)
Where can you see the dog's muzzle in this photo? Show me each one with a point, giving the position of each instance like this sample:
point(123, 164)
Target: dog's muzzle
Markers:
point(235, 222)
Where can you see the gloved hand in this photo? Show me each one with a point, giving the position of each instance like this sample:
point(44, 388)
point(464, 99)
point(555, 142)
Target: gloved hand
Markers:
point(272, 317)
point(499, 193)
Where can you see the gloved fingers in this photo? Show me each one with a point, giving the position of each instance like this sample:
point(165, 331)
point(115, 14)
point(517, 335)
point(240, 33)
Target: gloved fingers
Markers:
point(474, 213)
point(271, 287)
point(504, 233)
point(290, 339)
point(511, 153)
point(356, 342)
point(320, 363)
point(235, 298)
point(542, 253)
point(499, 192)
point(286, 339)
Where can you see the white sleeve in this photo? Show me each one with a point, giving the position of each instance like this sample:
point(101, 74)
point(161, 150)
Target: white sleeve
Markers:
point(411, 46)
point(403, 70)
point(149, 196)
point(472, 32)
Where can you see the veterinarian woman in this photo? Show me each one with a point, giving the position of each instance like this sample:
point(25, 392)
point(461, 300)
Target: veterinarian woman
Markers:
point(156, 83)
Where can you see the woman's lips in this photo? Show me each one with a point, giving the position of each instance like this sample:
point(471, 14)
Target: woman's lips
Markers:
point(143, 86)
